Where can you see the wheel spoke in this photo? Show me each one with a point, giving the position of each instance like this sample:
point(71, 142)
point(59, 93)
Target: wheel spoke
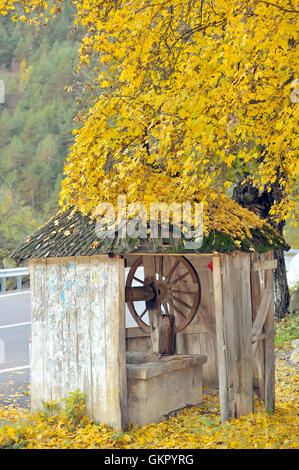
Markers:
point(167, 278)
point(138, 280)
point(143, 313)
point(182, 291)
point(178, 279)
point(160, 268)
point(180, 301)
point(176, 308)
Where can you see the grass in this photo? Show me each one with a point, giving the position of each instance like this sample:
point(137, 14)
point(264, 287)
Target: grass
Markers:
point(287, 329)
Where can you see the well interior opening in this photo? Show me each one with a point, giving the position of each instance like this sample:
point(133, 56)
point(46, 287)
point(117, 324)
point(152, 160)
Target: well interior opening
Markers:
point(169, 339)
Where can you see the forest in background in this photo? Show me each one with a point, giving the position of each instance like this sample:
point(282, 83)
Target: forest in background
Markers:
point(36, 123)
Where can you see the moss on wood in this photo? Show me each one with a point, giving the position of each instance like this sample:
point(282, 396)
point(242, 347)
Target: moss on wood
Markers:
point(70, 234)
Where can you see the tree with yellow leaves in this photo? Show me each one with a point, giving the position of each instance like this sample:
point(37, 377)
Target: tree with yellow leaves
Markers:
point(190, 97)
point(188, 93)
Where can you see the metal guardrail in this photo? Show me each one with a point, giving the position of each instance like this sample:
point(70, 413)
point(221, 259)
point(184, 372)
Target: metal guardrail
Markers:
point(14, 272)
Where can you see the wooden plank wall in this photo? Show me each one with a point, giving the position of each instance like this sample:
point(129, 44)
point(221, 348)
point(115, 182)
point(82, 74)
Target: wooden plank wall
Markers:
point(234, 335)
point(78, 334)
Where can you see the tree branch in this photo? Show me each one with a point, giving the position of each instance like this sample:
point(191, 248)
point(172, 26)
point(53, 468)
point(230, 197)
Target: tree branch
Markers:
point(277, 6)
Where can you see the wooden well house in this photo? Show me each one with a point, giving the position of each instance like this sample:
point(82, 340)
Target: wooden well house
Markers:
point(203, 318)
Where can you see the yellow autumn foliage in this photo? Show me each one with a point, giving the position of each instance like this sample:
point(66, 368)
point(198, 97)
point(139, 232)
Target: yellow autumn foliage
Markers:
point(189, 94)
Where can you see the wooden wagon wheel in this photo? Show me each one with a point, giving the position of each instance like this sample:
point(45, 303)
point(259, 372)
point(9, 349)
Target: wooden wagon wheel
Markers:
point(165, 292)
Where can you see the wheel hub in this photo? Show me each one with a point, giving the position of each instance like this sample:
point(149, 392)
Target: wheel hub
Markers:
point(161, 290)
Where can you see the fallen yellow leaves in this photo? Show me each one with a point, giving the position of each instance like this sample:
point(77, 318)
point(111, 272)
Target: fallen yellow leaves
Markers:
point(194, 428)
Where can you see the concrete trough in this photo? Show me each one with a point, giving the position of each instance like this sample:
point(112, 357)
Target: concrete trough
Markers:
point(158, 385)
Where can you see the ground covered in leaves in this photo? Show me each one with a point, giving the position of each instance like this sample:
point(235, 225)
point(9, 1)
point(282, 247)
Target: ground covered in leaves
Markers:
point(194, 428)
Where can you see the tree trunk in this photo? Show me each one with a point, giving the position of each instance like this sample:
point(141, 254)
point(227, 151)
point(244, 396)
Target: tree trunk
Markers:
point(281, 289)
point(248, 196)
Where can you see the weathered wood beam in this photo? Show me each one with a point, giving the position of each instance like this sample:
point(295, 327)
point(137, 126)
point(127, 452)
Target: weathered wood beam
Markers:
point(154, 313)
point(237, 332)
point(269, 344)
point(264, 265)
point(259, 356)
point(220, 340)
point(263, 310)
point(262, 336)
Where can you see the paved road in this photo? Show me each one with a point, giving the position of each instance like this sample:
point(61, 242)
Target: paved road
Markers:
point(15, 331)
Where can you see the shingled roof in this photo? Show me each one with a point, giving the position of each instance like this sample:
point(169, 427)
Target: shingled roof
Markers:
point(70, 233)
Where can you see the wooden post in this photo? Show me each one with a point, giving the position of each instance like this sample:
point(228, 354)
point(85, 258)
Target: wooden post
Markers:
point(38, 300)
point(167, 334)
point(220, 340)
point(154, 313)
point(237, 332)
point(269, 343)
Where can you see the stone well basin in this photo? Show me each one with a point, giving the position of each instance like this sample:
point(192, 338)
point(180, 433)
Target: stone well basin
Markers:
point(158, 385)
